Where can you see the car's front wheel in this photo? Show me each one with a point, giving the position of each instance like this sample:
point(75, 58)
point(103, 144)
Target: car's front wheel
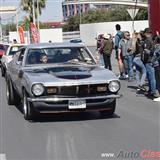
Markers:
point(28, 110)
point(12, 96)
point(110, 112)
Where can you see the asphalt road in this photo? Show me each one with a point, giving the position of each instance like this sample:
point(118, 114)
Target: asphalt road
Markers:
point(135, 127)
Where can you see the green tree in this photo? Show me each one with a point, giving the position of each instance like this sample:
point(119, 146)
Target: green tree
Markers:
point(27, 5)
point(142, 14)
point(102, 15)
point(25, 23)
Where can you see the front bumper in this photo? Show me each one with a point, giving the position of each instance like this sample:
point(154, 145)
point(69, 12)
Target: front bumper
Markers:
point(60, 104)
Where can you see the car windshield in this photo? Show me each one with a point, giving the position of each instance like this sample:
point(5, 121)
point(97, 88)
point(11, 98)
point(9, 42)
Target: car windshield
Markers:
point(73, 55)
point(13, 50)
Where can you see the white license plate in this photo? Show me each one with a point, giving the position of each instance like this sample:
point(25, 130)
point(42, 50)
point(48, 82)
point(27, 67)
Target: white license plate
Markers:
point(77, 104)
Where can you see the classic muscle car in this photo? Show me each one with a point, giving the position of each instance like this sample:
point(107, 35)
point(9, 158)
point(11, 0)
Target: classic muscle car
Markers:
point(60, 77)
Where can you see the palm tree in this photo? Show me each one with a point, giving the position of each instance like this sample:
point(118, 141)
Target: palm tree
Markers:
point(27, 5)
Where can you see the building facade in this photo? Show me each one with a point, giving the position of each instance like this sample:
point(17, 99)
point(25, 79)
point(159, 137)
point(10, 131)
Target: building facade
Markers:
point(73, 9)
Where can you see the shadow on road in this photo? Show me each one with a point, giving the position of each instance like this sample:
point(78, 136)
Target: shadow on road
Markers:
point(82, 116)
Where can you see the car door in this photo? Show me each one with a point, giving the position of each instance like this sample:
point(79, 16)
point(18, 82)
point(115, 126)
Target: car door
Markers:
point(17, 69)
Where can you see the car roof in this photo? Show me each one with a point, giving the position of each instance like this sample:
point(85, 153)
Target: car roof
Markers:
point(54, 45)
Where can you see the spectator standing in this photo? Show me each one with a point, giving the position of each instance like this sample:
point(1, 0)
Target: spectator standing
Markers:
point(157, 64)
point(100, 51)
point(107, 47)
point(140, 67)
point(125, 49)
point(118, 37)
point(147, 58)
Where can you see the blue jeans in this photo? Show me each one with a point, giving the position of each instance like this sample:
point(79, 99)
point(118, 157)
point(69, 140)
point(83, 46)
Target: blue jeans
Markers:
point(128, 65)
point(151, 77)
point(101, 60)
point(140, 71)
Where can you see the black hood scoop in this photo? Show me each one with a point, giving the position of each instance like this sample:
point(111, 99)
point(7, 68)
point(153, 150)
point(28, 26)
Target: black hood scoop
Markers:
point(67, 72)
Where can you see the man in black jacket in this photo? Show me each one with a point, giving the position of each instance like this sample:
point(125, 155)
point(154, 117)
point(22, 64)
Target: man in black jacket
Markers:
point(147, 59)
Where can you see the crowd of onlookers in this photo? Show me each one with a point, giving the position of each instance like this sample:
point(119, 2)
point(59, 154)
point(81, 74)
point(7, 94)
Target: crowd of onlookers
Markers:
point(138, 57)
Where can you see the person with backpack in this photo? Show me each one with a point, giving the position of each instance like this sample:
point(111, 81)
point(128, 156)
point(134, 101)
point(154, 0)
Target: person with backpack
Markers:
point(107, 47)
point(118, 37)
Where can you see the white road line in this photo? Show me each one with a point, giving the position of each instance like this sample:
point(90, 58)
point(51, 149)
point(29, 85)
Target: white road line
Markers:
point(3, 157)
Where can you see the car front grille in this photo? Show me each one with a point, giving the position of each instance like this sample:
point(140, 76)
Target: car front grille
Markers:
point(81, 90)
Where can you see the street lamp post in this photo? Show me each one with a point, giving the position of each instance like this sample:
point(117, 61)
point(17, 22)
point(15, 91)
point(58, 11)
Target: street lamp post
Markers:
point(80, 12)
point(33, 8)
point(38, 20)
point(38, 15)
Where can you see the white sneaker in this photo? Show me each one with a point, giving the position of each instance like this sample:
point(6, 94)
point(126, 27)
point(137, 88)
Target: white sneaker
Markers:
point(126, 76)
point(156, 99)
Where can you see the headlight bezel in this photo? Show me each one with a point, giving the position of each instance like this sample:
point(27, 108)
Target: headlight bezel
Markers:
point(41, 86)
point(112, 84)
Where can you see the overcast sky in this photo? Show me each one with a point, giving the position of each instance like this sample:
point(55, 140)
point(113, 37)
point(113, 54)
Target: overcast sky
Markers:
point(52, 12)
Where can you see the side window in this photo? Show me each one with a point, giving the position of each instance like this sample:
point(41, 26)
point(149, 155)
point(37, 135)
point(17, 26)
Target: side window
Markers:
point(21, 55)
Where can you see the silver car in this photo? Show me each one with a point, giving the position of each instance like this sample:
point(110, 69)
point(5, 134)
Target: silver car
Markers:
point(60, 77)
point(7, 57)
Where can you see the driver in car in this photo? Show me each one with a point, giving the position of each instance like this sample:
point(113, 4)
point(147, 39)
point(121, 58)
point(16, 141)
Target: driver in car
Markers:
point(44, 58)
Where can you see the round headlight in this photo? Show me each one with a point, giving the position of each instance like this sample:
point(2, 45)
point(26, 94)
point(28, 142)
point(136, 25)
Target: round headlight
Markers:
point(37, 89)
point(114, 86)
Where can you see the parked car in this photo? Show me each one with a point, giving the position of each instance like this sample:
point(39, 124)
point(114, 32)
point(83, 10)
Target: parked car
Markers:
point(8, 56)
point(60, 77)
point(3, 48)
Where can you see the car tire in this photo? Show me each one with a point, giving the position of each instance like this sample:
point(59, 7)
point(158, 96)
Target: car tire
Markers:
point(12, 96)
point(28, 110)
point(2, 71)
point(109, 112)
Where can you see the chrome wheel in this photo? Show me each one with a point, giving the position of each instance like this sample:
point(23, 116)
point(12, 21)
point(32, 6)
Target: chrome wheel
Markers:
point(25, 105)
point(7, 91)
point(28, 110)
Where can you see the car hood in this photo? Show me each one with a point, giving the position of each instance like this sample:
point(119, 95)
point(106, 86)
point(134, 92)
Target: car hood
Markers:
point(67, 75)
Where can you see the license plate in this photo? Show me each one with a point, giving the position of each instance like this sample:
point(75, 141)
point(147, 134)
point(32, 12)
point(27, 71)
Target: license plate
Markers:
point(77, 104)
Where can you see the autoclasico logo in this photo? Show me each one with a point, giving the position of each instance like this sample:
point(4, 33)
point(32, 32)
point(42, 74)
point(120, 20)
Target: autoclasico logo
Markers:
point(143, 154)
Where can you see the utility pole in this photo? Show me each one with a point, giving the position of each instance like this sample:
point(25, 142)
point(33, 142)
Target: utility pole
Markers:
point(38, 20)
point(80, 12)
point(33, 8)
point(38, 15)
